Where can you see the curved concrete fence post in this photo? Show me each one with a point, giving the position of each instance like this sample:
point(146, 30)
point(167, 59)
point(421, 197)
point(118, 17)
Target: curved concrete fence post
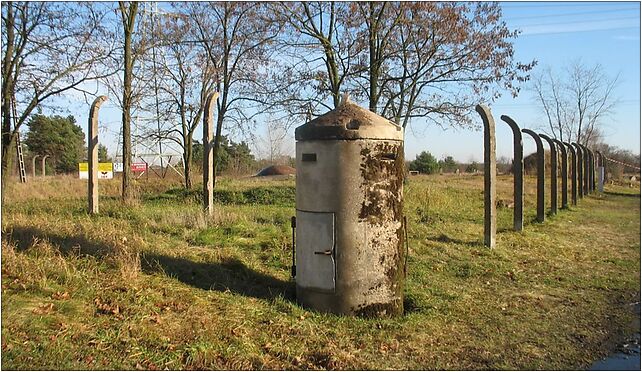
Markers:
point(33, 166)
point(490, 175)
point(580, 169)
point(573, 173)
point(92, 155)
point(540, 174)
point(564, 156)
point(600, 171)
point(592, 170)
point(589, 171)
point(518, 174)
point(585, 169)
point(553, 149)
point(595, 161)
point(44, 158)
point(603, 163)
point(208, 154)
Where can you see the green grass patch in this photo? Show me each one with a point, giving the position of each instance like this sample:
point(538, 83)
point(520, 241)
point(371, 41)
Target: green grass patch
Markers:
point(159, 285)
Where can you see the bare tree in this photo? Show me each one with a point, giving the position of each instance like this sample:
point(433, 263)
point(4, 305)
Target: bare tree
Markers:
point(592, 93)
point(236, 38)
point(444, 58)
point(376, 23)
point(48, 49)
point(274, 145)
point(432, 60)
point(323, 44)
point(549, 91)
point(189, 79)
point(575, 101)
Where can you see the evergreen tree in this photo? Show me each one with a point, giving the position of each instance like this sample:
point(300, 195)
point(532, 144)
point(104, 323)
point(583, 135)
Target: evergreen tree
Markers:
point(424, 163)
point(102, 154)
point(60, 138)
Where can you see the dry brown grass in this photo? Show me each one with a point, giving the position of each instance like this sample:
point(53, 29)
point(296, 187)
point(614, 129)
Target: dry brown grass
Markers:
point(195, 292)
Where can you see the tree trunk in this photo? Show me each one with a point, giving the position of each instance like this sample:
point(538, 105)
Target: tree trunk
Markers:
point(128, 23)
point(187, 161)
point(126, 117)
point(217, 142)
point(7, 151)
point(374, 63)
point(7, 94)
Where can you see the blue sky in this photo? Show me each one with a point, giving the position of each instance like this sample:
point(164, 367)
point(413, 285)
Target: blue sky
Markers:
point(554, 34)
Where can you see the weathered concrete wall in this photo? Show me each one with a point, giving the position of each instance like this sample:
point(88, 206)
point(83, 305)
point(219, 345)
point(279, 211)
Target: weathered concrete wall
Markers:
point(358, 184)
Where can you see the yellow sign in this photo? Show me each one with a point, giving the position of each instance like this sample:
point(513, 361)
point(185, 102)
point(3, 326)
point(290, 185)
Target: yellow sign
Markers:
point(102, 167)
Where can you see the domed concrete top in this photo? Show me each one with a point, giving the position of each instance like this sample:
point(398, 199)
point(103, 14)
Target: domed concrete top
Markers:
point(349, 121)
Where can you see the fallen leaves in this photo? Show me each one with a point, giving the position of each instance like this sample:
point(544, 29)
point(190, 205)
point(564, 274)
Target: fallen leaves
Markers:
point(44, 309)
point(106, 307)
point(171, 306)
point(60, 296)
point(156, 319)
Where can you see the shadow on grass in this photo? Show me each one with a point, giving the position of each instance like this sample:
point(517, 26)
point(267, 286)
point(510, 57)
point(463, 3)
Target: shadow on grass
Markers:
point(231, 274)
point(622, 194)
point(24, 237)
point(443, 238)
point(533, 221)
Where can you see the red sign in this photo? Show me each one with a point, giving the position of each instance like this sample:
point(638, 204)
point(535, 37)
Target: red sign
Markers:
point(139, 167)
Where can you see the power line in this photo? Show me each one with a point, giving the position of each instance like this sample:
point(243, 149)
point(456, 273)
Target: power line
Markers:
point(519, 5)
point(576, 31)
point(574, 14)
point(576, 22)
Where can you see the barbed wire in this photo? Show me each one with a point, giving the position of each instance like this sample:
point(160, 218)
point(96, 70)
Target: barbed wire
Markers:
point(619, 162)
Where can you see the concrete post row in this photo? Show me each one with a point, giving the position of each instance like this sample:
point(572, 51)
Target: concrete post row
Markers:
point(490, 175)
point(92, 154)
point(540, 174)
point(518, 174)
point(553, 149)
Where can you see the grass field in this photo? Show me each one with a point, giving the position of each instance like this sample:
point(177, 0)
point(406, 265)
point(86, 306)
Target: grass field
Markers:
point(155, 284)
